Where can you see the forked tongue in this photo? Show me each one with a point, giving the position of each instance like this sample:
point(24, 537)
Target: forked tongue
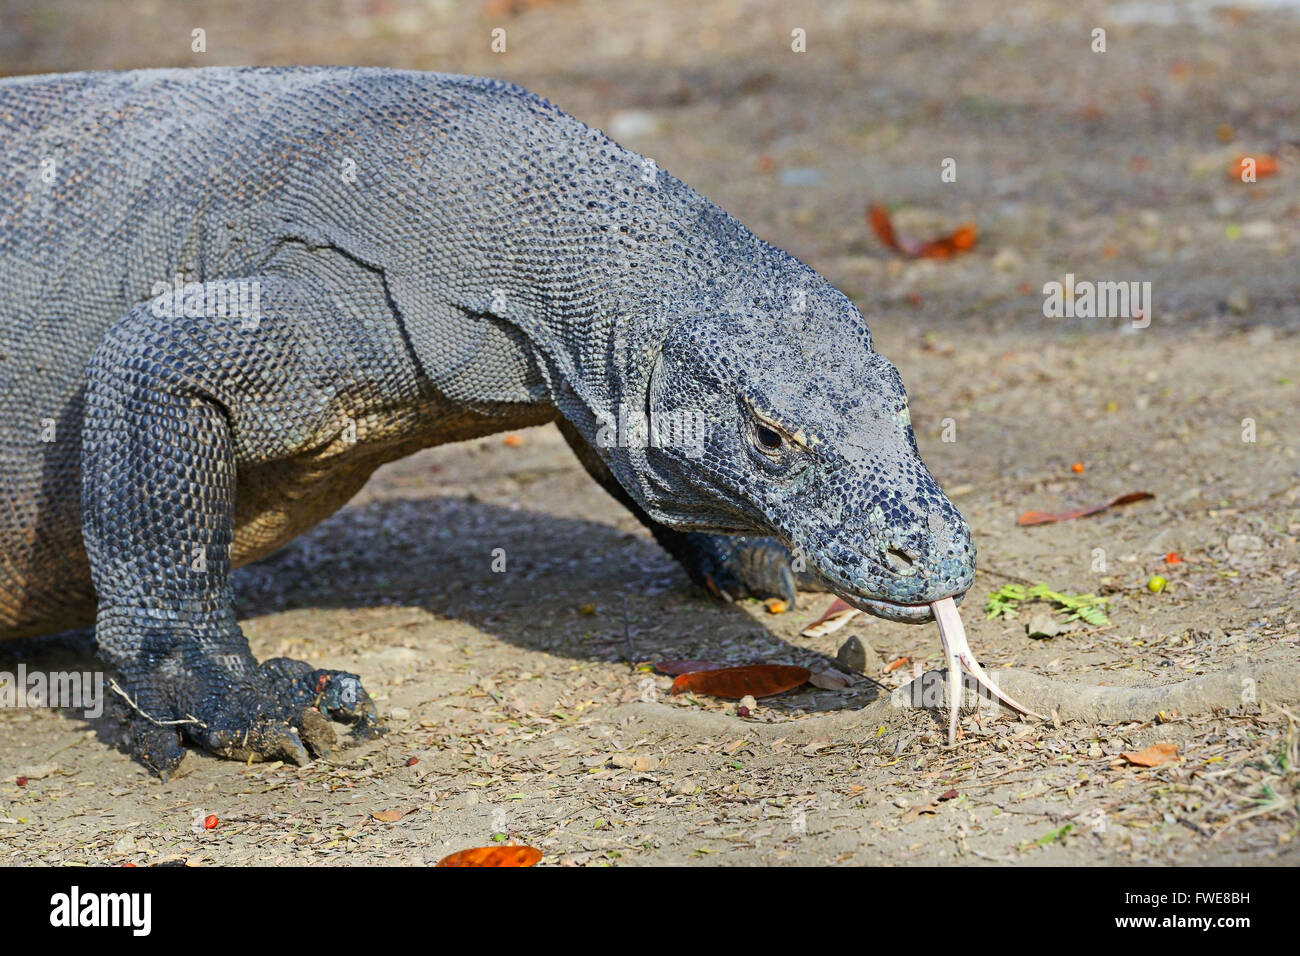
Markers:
point(957, 651)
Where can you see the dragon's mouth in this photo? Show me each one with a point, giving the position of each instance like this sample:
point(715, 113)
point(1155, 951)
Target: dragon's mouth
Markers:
point(893, 611)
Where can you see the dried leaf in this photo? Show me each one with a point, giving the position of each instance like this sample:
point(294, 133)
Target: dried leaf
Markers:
point(637, 762)
point(836, 616)
point(388, 816)
point(1051, 517)
point(961, 239)
point(733, 683)
point(828, 680)
point(1152, 756)
point(493, 856)
point(931, 808)
point(895, 665)
point(1265, 165)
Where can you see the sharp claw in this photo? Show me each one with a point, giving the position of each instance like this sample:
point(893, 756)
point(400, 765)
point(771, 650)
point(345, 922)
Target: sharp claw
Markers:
point(316, 733)
point(788, 591)
point(292, 749)
point(957, 649)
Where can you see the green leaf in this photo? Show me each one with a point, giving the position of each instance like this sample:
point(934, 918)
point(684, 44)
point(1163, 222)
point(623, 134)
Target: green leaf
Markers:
point(1054, 835)
point(1006, 601)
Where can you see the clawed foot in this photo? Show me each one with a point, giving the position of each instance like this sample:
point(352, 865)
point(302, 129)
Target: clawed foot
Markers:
point(740, 567)
point(280, 710)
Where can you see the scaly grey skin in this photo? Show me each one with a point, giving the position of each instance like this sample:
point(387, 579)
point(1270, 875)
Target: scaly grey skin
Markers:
point(434, 258)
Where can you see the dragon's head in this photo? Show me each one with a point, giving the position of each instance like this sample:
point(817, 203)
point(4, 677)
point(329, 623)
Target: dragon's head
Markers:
point(772, 413)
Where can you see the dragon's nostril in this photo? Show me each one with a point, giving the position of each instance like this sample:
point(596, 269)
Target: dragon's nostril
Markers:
point(904, 562)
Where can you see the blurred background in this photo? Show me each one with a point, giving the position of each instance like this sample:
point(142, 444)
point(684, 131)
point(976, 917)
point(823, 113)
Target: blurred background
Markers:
point(1110, 165)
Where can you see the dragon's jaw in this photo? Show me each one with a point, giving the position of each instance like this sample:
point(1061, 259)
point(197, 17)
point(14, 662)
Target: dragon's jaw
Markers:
point(892, 610)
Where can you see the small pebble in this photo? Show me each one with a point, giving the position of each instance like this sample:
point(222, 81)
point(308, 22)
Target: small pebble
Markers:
point(857, 655)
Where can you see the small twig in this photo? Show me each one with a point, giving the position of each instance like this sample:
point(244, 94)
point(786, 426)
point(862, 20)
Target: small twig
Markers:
point(1000, 574)
point(627, 636)
point(189, 718)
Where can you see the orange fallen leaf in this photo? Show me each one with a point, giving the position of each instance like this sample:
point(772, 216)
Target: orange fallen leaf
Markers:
point(388, 816)
point(1051, 517)
point(1265, 165)
point(1152, 756)
point(895, 665)
point(961, 239)
point(836, 616)
point(776, 606)
point(493, 856)
point(512, 440)
point(931, 808)
point(733, 683)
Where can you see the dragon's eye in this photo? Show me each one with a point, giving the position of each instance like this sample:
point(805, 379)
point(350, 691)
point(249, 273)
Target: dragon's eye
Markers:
point(768, 438)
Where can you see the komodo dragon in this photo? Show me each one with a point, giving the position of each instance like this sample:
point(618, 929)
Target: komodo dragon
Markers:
point(231, 294)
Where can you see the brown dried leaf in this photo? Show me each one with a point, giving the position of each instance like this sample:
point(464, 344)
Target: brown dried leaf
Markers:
point(961, 239)
point(836, 616)
point(1152, 756)
point(493, 856)
point(828, 680)
point(733, 683)
point(1051, 517)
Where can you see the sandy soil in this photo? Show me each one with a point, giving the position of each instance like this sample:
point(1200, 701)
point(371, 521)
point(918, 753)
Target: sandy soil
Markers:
point(513, 710)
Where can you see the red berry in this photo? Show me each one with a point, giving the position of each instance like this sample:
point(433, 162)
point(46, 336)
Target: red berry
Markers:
point(1173, 557)
point(413, 761)
point(742, 711)
point(210, 821)
point(21, 781)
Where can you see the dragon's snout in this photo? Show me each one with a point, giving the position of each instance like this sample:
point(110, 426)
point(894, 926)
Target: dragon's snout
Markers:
point(897, 571)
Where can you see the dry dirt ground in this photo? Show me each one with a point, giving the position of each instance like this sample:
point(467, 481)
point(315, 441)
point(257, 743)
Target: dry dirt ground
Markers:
point(513, 710)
